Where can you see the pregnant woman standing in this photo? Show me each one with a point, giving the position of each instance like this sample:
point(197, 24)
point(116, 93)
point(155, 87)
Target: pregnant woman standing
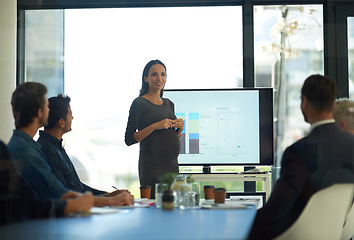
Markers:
point(152, 122)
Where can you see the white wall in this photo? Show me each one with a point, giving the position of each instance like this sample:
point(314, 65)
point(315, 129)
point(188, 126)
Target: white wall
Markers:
point(8, 20)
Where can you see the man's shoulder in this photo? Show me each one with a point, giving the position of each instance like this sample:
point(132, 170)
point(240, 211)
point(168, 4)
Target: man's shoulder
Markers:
point(43, 142)
point(49, 148)
point(298, 143)
point(17, 143)
point(46, 138)
point(20, 148)
point(300, 146)
point(328, 135)
point(332, 133)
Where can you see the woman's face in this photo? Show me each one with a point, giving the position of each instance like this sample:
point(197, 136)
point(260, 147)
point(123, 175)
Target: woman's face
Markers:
point(156, 78)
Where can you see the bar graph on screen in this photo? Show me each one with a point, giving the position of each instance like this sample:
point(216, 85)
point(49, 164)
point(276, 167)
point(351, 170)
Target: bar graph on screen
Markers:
point(194, 133)
point(183, 137)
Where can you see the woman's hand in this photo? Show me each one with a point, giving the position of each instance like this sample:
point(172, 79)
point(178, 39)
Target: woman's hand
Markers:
point(164, 124)
point(178, 123)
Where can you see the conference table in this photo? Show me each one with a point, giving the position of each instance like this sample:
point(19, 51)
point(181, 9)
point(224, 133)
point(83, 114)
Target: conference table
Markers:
point(139, 223)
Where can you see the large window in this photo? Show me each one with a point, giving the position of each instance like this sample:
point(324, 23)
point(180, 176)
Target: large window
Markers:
point(96, 56)
point(104, 56)
point(44, 49)
point(351, 55)
point(288, 44)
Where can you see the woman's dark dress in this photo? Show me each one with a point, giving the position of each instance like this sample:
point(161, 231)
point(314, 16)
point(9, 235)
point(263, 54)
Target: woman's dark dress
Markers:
point(158, 151)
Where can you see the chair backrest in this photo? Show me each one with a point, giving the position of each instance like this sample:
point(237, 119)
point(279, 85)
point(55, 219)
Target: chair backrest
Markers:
point(324, 215)
point(4, 152)
point(348, 228)
point(342, 175)
point(8, 172)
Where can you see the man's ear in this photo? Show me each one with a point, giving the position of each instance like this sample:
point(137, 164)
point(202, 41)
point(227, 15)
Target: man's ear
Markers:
point(39, 113)
point(305, 101)
point(61, 123)
point(343, 125)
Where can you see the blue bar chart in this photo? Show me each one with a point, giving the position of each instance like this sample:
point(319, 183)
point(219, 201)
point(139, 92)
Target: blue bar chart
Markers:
point(194, 133)
point(183, 137)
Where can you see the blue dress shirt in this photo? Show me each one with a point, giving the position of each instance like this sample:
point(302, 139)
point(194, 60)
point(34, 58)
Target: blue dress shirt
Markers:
point(61, 165)
point(33, 166)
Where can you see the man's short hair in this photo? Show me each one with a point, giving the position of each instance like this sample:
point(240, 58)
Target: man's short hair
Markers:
point(58, 107)
point(321, 92)
point(344, 110)
point(26, 100)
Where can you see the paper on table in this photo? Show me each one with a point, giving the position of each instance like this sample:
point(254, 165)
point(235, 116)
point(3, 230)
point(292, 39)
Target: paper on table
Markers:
point(94, 210)
point(224, 206)
point(248, 200)
point(150, 202)
point(139, 203)
point(136, 205)
point(102, 210)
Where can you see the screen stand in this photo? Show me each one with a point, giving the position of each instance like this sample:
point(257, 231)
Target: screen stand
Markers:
point(206, 169)
point(249, 186)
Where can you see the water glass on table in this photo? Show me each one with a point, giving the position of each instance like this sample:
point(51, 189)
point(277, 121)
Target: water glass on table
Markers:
point(183, 195)
point(195, 192)
point(159, 189)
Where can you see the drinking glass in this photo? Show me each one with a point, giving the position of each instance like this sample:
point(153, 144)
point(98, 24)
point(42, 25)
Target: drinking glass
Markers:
point(159, 189)
point(195, 189)
point(182, 195)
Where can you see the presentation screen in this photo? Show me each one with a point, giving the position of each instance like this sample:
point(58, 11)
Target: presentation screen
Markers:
point(225, 126)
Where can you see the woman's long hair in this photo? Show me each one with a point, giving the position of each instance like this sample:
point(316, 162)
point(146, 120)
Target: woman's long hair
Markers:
point(145, 86)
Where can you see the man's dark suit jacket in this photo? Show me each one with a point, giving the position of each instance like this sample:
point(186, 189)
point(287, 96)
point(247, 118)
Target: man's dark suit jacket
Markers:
point(303, 170)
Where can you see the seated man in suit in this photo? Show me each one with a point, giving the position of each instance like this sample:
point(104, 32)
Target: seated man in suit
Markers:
point(343, 114)
point(30, 110)
point(59, 123)
point(18, 203)
point(306, 162)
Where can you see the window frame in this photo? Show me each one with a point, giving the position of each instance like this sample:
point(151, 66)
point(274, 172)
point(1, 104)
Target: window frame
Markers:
point(335, 57)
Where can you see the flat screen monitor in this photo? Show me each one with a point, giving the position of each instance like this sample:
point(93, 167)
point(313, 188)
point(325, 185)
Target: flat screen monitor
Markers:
point(225, 126)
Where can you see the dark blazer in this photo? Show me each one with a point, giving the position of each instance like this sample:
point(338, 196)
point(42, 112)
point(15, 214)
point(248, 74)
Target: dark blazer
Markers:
point(303, 171)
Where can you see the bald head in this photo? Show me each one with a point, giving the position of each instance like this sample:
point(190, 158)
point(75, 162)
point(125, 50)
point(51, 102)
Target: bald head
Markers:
point(343, 113)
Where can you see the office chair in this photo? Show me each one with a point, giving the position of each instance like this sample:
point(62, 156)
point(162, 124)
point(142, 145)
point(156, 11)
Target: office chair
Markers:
point(348, 228)
point(8, 185)
point(324, 215)
point(342, 175)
